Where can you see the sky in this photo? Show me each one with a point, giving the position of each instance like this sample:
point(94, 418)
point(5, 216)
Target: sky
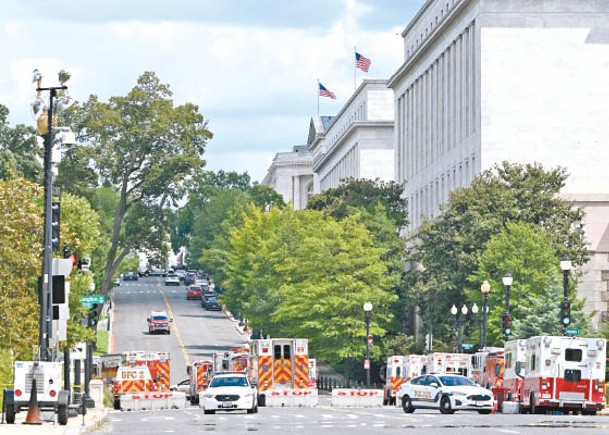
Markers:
point(251, 66)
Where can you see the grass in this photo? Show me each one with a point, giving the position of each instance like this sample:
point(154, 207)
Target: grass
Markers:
point(102, 342)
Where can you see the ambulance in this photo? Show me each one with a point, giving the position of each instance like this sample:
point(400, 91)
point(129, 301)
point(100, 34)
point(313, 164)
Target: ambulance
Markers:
point(312, 373)
point(47, 376)
point(441, 362)
point(199, 374)
point(280, 369)
point(564, 374)
point(515, 358)
point(233, 360)
point(399, 369)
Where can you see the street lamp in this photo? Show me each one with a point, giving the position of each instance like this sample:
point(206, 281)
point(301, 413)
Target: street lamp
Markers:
point(565, 305)
point(459, 324)
point(485, 288)
point(368, 310)
point(506, 324)
point(45, 123)
point(475, 310)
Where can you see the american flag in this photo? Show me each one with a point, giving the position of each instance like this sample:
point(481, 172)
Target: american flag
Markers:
point(323, 92)
point(362, 62)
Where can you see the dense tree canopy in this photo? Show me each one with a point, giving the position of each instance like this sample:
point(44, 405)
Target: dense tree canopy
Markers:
point(20, 153)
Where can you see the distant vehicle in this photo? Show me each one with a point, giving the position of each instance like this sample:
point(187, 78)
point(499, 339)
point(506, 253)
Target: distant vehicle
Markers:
point(159, 321)
point(229, 392)
point(130, 276)
point(190, 278)
point(181, 273)
point(172, 280)
point(183, 387)
point(213, 305)
point(205, 297)
point(142, 271)
point(448, 393)
point(194, 292)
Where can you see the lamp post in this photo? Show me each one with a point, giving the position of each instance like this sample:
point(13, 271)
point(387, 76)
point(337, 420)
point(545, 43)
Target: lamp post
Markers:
point(368, 310)
point(485, 288)
point(565, 305)
point(459, 324)
point(45, 128)
point(507, 282)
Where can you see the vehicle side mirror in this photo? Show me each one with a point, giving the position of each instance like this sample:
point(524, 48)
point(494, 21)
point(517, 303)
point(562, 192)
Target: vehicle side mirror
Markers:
point(148, 319)
point(435, 385)
point(188, 369)
point(171, 320)
point(518, 369)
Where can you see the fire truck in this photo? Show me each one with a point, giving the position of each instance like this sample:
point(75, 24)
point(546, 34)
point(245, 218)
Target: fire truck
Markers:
point(440, 362)
point(141, 372)
point(564, 374)
point(233, 360)
point(200, 373)
point(280, 369)
point(398, 370)
point(47, 377)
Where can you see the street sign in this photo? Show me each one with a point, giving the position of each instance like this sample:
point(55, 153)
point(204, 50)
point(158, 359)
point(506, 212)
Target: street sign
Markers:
point(572, 332)
point(467, 346)
point(88, 301)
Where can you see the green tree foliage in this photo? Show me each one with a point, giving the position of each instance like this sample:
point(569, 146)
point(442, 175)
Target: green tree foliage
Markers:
point(449, 246)
point(21, 241)
point(146, 149)
point(278, 275)
point(525, 250)
point(20, 154)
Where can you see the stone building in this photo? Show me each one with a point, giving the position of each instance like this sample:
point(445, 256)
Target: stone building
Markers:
point(486, 81)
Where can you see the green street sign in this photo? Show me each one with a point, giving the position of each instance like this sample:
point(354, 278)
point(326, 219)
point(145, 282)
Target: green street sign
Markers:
point(467, 346)
point(572, 332)
point(88, 301)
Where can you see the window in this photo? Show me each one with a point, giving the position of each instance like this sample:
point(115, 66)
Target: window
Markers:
point(398, 372)
point(286, 351)
point(573, 375)
point(277, 351)
point(533, 363)
point(508, 360)
point(574, 355)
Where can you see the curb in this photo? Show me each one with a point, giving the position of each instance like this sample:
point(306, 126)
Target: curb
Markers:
point(88, 425)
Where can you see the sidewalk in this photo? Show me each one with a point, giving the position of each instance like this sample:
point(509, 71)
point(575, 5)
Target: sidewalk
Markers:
point(75, 425)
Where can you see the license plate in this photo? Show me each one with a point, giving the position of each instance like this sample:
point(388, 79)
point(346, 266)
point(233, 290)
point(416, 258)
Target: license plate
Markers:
point(479, 403)
point(227, 404)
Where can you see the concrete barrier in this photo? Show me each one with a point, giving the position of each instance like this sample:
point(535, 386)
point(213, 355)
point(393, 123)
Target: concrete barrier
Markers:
point(153, 401)
point(357, 398)
point(291, 398)
point(96, 391)
point(510, 407)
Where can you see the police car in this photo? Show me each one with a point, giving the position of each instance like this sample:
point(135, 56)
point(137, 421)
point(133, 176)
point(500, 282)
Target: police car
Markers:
point(446, 392)
point(229, 392)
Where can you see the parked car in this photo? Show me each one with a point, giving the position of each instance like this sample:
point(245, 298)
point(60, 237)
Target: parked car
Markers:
point(446, 392)
point(182, 386)
point(212, 304)
point(194, 292)
point(172, 280)
point(130, 276)
point(190, 278)
point(159, 321)
point(230, 392)
point(205, 297)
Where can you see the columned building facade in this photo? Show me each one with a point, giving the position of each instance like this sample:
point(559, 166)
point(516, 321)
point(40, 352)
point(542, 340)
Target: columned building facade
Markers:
point(486, 81)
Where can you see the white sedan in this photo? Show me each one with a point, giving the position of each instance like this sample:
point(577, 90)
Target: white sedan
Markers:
point(229, 392)
point(446, 392)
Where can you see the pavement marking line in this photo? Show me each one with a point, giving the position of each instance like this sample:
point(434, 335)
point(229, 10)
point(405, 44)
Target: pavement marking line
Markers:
point(507, 431)
point(176, 331)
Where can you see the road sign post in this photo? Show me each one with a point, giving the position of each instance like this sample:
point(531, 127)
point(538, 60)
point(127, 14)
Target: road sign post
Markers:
point(89, 301)
point(572, 332)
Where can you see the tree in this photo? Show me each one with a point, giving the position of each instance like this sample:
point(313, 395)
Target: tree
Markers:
point(20, 153)
point(449, 246)
point(525, 250)
point(146, 149)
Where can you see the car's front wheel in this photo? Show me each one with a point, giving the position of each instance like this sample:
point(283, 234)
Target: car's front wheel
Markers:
point(445, 406)
point(208, 411)
point(407, 404)
point(484, 411)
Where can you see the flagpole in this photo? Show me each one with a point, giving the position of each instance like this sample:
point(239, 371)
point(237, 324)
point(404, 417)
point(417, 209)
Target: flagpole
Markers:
point(354, 69)
point(318, 98)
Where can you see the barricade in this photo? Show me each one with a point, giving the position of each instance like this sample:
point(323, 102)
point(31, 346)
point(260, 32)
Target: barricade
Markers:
point(357, 398)
point(153, 401)
point(291, 398)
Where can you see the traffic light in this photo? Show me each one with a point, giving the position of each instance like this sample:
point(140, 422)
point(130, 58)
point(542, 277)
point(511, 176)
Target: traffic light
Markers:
point(565, 313)
point(55, 213)
point(92, 316)
point(506, 324)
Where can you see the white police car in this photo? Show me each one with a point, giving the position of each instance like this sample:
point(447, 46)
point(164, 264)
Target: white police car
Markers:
point(446, 392)
point(229, 392)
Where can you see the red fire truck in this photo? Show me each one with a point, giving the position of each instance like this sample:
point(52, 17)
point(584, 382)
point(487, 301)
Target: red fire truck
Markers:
point(199, 375)
point(564, 374)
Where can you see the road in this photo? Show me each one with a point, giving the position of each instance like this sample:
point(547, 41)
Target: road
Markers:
point(196, 333)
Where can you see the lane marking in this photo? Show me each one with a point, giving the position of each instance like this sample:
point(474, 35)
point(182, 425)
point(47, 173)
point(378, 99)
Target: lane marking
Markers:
point(176, 331)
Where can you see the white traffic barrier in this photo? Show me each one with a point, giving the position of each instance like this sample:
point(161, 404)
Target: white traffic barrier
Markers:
point(291, 398)
point(153, 401)
point(355, 398)
point(510, 407)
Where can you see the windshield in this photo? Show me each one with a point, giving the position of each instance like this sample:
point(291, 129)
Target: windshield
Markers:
point(160, 318)
point(454, 381)
point(236, 381)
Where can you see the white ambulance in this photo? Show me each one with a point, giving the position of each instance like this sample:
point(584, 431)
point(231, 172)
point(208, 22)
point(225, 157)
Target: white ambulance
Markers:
point(515, 358)
point(564, 374)
point(441, 362)
point(399, 369)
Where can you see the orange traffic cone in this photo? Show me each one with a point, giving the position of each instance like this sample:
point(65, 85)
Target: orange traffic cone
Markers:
point(33, 412)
